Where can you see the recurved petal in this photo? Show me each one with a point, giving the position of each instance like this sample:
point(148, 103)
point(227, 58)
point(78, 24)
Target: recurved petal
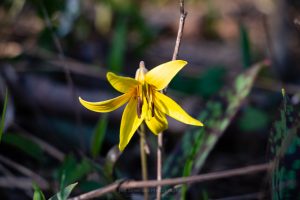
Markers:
point(162, 75)
point(171, 108)
point(129, 123)
point(106, 106)
point(158, 123)
point(120, 83)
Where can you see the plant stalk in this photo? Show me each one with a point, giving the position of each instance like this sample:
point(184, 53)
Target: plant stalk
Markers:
point(159, 164)
point(144, 159)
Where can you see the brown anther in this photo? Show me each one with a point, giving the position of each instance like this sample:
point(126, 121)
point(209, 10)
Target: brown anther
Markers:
point(153, 109)
point(139, 106)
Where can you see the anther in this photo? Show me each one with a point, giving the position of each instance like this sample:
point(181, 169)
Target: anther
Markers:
point(153, 110)
point(139, 106)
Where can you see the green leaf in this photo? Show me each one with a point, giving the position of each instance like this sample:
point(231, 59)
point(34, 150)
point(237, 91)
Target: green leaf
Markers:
point(2, 123)
point(72, 170)
point(117, 51)
point(98, 136)
point(25, 145)
point(189, 162)
point(65, 193)
point(38, 194)
point(245, 46)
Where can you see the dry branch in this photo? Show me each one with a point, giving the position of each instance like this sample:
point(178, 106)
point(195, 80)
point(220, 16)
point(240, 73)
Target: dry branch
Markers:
point(174, 181)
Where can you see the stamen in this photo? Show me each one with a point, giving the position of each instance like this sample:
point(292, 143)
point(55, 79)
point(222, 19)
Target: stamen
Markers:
point(139, 106)
point(153, 109)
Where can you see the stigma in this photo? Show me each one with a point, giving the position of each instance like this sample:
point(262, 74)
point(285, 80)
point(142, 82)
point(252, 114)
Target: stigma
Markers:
point(141, 72)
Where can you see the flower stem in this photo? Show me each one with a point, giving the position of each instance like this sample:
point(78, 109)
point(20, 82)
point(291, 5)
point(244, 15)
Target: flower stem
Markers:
point(159, 163)
point(143, 159)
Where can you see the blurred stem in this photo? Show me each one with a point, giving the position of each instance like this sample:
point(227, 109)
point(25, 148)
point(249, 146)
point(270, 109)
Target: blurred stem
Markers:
point(143, 159)
point(159, 163)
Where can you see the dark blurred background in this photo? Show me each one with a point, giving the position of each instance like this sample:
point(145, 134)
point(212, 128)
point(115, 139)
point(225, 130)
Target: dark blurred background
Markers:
point(52, 51)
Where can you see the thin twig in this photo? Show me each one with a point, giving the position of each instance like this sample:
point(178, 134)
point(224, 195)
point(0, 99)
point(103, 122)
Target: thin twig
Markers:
point(159, 164)
point(183, 15)
point(174, 181)
point(27, 172)
point(144, 160)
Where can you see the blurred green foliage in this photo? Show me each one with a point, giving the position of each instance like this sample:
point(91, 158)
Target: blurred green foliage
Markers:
point(118, 46)
point(214, 77)
point(253, 119)
point(72, 171)
point(196, 144)
point(245, 46)
point(24, 145)
point(284, 144)
point(98, 136)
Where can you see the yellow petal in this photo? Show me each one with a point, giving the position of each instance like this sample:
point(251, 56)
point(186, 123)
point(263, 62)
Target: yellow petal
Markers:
point(129, 123)
point(162, 75)
point(108, 105)
point(158, 123)
point(120, 83)
point(171, 108)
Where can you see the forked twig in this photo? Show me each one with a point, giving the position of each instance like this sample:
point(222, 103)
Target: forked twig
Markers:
point(183, 15)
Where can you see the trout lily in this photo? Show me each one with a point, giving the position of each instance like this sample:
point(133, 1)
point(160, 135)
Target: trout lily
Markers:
point(145, 101)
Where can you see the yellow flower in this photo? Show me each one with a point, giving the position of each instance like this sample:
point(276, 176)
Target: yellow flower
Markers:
point(145, 101)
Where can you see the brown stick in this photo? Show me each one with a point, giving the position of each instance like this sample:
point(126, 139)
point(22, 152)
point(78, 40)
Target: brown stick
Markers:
point(144, 160)
point(174, 181)
point(183, 14)
point(159, 164)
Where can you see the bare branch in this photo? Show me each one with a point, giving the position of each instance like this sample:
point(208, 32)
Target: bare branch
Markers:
point(183, 15)
point(174, 181)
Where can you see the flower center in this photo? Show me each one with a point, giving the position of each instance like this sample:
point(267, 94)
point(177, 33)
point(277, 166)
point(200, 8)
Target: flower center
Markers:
point(144, 92)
